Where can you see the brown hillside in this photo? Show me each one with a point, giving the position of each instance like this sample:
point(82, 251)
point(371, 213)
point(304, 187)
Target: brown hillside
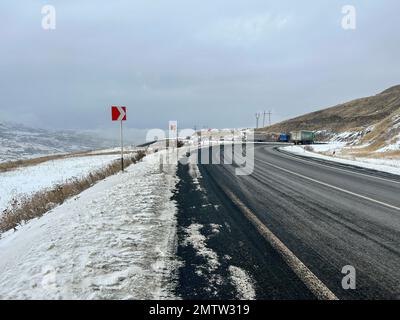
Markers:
point(351, 116)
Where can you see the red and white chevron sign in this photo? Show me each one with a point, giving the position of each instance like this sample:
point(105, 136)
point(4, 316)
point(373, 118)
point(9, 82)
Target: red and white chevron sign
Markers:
point(118, 113)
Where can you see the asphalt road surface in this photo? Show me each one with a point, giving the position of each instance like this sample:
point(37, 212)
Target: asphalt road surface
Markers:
point(292, 225)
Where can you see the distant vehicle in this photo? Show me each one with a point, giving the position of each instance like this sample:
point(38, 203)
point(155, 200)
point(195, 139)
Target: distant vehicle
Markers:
point(302, 137)
point(271, 137)
point(283, 137)
point(262, 137)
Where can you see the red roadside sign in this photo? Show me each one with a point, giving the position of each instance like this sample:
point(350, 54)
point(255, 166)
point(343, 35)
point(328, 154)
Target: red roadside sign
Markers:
point(118, 113)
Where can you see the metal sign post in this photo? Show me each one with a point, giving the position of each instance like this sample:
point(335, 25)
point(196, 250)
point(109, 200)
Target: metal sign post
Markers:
point(122, 147)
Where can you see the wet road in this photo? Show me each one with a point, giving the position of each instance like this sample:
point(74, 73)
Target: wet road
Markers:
point(325, 214)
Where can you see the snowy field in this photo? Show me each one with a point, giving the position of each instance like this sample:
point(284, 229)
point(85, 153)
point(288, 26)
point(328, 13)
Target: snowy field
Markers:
point(385, 165)
point(26, 180)
point(115, 240)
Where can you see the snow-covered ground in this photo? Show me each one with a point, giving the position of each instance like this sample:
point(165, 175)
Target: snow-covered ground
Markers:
point(116, 240)
point(114, 150)
point(240, 279)
point(198, 241)
point(243, 283)
point(113, 241)
point(393, 146)
point(385, 165)
point(27, 180)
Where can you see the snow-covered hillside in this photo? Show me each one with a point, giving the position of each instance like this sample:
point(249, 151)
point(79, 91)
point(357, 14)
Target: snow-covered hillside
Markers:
point(20, 142)
point(116, 240)
point(26, 180)
point(371, 124)
point(382, 137)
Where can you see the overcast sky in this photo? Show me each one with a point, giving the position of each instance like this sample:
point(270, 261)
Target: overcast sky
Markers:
point(212, 63)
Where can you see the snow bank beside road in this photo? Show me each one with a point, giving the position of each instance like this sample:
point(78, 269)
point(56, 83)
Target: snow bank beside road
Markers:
point(27, 180)
point(243, 283)
point(113, 241)
point(385, 165)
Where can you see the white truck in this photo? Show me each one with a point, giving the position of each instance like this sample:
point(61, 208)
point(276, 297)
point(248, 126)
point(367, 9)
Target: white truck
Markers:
point(302, 137)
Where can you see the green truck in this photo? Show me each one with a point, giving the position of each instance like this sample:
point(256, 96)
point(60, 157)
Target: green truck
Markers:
point(302, 137)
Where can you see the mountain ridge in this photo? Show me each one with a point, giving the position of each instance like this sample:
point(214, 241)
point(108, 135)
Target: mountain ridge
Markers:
point(372, 121)
point(18, 142)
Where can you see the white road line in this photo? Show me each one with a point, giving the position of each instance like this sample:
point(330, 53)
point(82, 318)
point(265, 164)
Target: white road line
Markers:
point(316, 286)
point(339, 169)
point(333, 187)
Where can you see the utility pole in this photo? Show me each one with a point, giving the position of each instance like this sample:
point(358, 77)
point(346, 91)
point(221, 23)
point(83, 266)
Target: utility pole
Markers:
point(257, 117)
point(264, 113)
point(269, 117)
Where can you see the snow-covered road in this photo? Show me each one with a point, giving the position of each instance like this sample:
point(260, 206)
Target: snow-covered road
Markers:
point(115, 240)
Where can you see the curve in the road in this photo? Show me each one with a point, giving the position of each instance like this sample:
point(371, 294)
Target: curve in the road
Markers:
point(328, 218)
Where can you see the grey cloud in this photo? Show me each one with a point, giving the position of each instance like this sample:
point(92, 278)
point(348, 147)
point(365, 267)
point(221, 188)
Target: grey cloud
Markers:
point(209, 63)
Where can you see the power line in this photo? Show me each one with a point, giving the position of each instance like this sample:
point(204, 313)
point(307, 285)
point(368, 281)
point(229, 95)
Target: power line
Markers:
point(269, 118)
